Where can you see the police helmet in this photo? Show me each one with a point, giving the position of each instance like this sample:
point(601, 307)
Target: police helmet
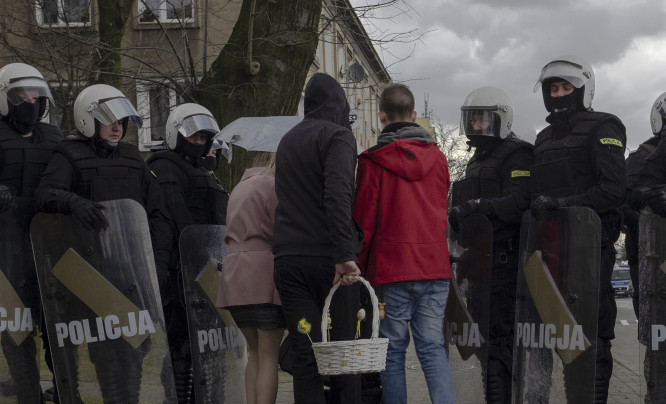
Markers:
point(573, 69)
point(188, 119)
point(18, 80)
point(658, 114)
point(490, 108)
point(103, 103)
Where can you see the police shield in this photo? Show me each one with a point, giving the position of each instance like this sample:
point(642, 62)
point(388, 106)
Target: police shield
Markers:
point(652, 316)
point(557, 307)
point(218, 347)
point(19, 306)
point(468, 305)
point(102, 307)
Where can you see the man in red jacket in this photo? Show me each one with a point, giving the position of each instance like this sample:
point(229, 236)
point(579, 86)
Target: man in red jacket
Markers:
point(402, 185)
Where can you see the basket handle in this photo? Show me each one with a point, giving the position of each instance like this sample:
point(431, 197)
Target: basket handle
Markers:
point(375, 308)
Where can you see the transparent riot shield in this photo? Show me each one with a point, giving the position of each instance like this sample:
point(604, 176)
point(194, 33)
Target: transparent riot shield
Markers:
point(557, 304)
point(19, 307)
point(218, 347)
point(102, 307)
point(652, 311)
point(466, 319)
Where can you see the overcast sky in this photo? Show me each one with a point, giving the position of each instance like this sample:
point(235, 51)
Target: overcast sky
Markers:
point(505, 43)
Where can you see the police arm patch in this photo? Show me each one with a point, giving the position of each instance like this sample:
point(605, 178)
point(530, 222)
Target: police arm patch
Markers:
point(520, 173)
point(611, 142)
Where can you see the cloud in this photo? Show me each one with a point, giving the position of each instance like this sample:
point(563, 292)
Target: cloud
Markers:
point(469, 44)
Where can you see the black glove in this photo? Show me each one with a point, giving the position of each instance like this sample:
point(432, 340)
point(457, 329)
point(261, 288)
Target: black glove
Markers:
point(5, 198)
point(656, 200)
point(544, 203)
point(458, 213)
point(88, 212)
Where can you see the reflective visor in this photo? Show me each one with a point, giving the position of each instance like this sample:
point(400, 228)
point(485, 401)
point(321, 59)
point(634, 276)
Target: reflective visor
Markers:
point(23, 88)
point(197, 123)
point(115, 109)
point(478, 121)
point(569, 71)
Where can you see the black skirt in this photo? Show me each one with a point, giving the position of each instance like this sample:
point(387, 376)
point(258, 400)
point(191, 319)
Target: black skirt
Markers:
point(265, 316)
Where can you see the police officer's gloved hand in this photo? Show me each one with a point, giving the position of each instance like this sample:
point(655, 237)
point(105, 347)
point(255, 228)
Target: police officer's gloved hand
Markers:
point(5, 198)
point(458, 213)
point(656, 200)
point(88, 212)
point(545, 203)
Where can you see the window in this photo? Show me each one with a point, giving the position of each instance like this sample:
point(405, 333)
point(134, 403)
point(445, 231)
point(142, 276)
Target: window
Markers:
point(63, 12)
point(165, 10)
point(154, 104)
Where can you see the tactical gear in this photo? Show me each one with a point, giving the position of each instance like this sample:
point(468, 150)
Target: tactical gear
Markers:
point(544, 203)
point(23, 162)
point(652, 319)
point(102, 179)
point(100, 296)
point(186, 120)
point(88, 212)
point(204, 196)
point(17, 80)
point(19, 301)
point(216, 343)
point(490, 105)
point(573, 69)
point(466, 319)
point(555, 353)
point(103, 103)
point(5, 198)
point(568, 169)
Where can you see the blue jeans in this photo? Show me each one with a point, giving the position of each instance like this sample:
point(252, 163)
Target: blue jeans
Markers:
point(421, 304)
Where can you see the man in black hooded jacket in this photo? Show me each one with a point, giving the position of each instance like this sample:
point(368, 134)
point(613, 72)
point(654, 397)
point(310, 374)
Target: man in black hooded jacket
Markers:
point(315, 241)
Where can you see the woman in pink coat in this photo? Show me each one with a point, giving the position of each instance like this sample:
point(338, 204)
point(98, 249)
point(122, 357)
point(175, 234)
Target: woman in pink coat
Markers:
point(246, 286)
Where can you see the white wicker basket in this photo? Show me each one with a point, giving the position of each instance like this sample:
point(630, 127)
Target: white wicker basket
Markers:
point(351, 357)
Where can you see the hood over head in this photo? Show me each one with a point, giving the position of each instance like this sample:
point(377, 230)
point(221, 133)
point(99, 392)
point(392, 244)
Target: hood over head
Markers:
point(325, 99)
point(407, 158)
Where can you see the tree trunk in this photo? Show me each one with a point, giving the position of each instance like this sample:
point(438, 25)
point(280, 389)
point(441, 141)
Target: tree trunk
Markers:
point(113, 16)
point(261, 70)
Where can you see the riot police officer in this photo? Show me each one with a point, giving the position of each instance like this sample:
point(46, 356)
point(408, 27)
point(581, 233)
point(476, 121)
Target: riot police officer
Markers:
point(579, 161)
point(635, 162)
point(93, 165)
point(25, 149)
point(496, 185)
point(192, 196)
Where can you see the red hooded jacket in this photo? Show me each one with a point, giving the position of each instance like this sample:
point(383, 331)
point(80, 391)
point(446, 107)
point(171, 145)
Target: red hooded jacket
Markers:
point(401, 206)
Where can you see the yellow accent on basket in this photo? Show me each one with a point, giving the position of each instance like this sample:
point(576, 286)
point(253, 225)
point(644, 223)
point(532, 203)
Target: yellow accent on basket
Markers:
point(520, 173)
point(611, 142)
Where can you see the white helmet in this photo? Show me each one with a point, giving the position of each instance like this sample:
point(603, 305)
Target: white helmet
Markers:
point(573, 69)
point(523, 128)
point(103, 103)
point(15, 79)
point(491, 105)
point(658, 114)
point(188, 119)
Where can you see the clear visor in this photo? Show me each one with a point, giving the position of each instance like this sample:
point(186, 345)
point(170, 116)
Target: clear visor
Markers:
point(115, 109)
point(198, 123)
point(478, 122)
point(569, 71)
point(27, 89)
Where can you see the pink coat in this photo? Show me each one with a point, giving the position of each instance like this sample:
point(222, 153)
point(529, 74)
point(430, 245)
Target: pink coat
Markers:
point(247, 274)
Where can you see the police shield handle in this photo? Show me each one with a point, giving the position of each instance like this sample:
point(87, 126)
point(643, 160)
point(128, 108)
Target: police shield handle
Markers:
point(459, 327)
point(15, 318)
point(101, 296)
point(208, 280)
point(552, 308)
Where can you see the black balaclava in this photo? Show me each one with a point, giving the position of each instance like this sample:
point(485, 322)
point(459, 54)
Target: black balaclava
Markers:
point(211, 163)
point(191, 152)
point(24, 116)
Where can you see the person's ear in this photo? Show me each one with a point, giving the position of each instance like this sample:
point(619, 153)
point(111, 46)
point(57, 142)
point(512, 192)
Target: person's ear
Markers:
point(383, 119)
point(413, 116)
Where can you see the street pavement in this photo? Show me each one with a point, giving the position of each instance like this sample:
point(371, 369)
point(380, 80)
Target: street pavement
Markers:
point(625, 386)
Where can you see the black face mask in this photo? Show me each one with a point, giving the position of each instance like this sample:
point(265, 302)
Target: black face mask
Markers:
point(210, 163)
point(24, 116)
point(191, 152)
point(564, 107)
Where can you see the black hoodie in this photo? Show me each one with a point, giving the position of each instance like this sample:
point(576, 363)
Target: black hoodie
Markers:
point(314, 179)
